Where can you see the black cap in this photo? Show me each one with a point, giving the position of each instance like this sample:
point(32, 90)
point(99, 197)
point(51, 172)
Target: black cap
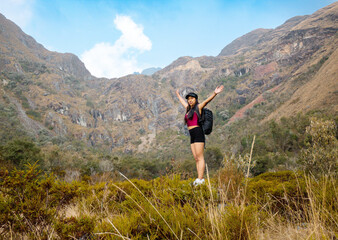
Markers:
point(191, 95)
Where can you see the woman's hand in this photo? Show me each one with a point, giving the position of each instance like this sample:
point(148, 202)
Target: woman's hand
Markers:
point(219, 89)
point(177, 91)
point(205, 102)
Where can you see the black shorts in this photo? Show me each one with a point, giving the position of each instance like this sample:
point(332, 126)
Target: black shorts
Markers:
point(196, 135)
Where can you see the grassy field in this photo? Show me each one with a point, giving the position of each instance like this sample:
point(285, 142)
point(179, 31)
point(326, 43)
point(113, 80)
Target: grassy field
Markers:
point(234, 203)
point(280, 205)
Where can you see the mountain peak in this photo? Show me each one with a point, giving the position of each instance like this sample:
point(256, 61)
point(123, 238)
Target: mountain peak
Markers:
point(248, 40)
point(22, 47)
point(122, 113)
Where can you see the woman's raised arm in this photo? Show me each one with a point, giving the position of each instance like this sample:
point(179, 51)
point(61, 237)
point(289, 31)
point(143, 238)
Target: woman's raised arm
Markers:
point(206, 101)
point(184, 103)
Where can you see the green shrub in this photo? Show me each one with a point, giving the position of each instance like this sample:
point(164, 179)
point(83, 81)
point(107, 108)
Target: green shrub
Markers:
point(90, 103)
point(283, 190)
point(263, 164)
point(10, 126)
point(320, 156)
point(283, 137)
point(89, 168)
point(240, 222)
point(78, 228)
point(135, 167)
point(30, 201)
point(230, 180)
point(20, 152)
point(31, 67)
point(34, 115)
point(214, 158)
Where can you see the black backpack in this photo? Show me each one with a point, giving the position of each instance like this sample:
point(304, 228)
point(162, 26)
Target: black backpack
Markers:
point(206, 120)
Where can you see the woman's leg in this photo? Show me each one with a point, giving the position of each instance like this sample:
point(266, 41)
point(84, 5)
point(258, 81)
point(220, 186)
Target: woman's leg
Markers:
point(198, 152)
point(193, 150)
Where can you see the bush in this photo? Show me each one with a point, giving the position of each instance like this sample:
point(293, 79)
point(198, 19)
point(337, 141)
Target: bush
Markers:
point(240, 222)
point(78, 228)
point(31, 67)
point(20, 152)
point(29, 202)
point(230, 179)
point(283, 190)
point(41, 207)
point(283, 137)
point(134, 167)
point(320, 156)
point(34, 115)
point(263, 164)
point(214, 158)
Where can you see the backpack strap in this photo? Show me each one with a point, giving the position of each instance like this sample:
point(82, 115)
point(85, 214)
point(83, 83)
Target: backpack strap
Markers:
point(200, 116)
point(200, 120)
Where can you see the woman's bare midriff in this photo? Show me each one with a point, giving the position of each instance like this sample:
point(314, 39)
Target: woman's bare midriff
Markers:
point(191, 127)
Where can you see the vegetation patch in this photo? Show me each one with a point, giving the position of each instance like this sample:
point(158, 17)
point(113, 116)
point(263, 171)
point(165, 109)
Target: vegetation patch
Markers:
point(38, 206)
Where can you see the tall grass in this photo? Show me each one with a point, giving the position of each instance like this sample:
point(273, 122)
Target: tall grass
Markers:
point(315, 216)
point(281, 205)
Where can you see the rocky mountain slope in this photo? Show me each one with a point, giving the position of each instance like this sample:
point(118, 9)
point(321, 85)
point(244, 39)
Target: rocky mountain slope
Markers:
point(53, 96)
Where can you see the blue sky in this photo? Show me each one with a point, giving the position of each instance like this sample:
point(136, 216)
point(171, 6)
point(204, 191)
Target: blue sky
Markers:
point(115, 38)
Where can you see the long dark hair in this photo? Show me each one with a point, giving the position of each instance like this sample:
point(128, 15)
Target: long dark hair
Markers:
point(191, 113)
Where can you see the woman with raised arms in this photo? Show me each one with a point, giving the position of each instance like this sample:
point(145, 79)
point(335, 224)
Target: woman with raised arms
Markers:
point(197, 137)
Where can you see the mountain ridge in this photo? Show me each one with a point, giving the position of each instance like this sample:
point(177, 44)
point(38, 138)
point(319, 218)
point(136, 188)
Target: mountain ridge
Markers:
point(122, 114)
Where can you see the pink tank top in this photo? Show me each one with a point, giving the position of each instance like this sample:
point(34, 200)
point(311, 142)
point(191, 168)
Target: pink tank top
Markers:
point(193, 121)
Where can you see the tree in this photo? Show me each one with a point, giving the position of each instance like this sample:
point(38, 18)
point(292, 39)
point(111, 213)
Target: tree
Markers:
point(321, 154)
point(20, 152)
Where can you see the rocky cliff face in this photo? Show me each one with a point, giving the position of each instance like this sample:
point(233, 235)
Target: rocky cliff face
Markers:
point(62, 99)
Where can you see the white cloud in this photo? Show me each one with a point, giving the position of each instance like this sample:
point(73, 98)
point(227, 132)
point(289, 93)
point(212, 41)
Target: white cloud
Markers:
point(119, 59)
point(18, 11)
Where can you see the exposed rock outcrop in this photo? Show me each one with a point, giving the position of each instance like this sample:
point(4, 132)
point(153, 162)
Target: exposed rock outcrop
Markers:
point(111, 112)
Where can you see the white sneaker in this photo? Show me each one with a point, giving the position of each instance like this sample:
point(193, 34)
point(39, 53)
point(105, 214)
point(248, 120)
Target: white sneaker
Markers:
point(201, 181)
point(198, 182)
